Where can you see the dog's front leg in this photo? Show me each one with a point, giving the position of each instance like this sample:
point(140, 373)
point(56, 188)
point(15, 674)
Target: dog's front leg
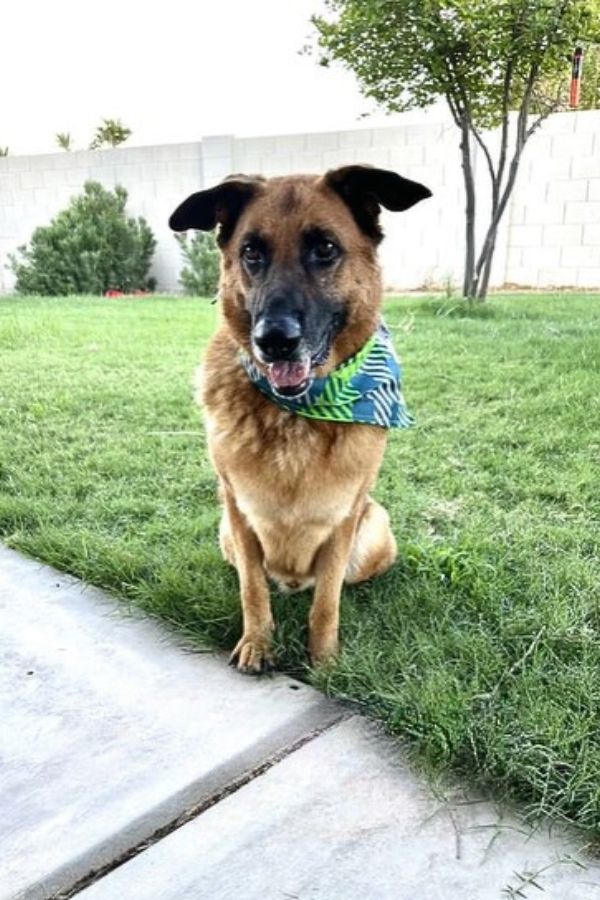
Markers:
point(330, 569)
point(253, 651)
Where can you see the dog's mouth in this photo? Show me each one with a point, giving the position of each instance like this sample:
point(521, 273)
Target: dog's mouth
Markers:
point(290, 379)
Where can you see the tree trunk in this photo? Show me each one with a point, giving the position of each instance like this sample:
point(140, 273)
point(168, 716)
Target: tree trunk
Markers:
point(484, 262)
point(501, 193)
point(483, 284)
point(467, 167)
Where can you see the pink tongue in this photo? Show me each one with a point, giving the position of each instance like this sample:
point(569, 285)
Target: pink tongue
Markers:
point(288, 374)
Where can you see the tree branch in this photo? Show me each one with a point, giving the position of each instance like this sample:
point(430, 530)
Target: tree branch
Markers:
point(506, 89)
point(488, 155)
point(551, 108)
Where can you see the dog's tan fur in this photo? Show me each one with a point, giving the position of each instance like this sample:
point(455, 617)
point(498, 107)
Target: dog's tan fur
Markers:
point(295, 491)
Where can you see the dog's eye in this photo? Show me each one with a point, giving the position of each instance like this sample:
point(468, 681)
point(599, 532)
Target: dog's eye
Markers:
point(325, 252)
point(252, 255)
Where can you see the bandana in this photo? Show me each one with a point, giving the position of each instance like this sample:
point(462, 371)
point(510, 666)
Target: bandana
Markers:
point(365, 388)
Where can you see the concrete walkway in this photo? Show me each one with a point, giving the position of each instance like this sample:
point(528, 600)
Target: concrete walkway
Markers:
point(134, 768)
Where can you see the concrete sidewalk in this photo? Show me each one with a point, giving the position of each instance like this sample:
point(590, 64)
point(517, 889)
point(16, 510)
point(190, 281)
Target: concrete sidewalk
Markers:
point(133, 768)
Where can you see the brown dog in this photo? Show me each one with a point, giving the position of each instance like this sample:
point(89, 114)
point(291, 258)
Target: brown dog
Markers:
point(300, 292)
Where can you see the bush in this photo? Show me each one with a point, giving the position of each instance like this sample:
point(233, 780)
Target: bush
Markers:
point(200, 277)
point(88, 248)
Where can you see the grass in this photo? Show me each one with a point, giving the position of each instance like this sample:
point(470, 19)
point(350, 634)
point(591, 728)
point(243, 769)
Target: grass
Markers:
point(481, 645)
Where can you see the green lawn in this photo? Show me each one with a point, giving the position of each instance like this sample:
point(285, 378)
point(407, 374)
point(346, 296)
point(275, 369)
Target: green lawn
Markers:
point(482, 644)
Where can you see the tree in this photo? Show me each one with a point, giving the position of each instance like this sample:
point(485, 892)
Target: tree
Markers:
point(110, 134)
point(63, 139)
point(486, 58)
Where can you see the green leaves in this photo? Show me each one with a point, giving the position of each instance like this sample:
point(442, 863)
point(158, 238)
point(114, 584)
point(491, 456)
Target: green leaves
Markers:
point(200, 277)
point(110, 134)
point(88, 248)
point(409, 53)
point(63, 139)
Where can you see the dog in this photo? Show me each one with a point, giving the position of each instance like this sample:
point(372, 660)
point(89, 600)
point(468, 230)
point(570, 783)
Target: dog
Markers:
point(299, 387)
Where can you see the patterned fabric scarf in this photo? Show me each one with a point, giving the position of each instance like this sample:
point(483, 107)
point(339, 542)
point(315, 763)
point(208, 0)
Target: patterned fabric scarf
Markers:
point(364, 388)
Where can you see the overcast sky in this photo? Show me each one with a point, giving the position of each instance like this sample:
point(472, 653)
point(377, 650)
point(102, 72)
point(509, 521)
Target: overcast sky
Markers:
point(171, 70)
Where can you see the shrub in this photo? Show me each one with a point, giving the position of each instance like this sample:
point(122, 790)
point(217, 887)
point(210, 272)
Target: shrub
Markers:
point(200, 277)
point(88, 248)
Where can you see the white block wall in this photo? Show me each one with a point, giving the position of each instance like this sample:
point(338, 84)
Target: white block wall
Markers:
point(554, 220)
point(550, 235)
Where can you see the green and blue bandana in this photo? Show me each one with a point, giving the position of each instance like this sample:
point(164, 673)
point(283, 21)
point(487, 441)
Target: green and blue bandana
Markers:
point(366, 388)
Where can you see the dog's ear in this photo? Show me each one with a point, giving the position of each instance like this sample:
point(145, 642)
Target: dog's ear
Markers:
point(220, 205)
point(366, 189)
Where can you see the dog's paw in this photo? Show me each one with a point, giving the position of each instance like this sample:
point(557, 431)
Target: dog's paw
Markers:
point(252, 655)
point(323, 649)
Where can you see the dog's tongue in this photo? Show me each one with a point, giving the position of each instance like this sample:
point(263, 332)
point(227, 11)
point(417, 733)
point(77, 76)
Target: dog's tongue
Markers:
point(288, 374)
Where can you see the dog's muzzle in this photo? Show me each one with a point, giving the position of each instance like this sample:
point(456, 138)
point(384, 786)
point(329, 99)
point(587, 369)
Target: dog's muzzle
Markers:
point(279, 345)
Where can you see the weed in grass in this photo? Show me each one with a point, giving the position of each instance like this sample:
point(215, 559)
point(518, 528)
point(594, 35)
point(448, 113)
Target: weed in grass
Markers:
point(519, 890)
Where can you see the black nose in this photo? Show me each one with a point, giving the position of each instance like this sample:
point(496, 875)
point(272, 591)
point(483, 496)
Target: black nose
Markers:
point(278, 338)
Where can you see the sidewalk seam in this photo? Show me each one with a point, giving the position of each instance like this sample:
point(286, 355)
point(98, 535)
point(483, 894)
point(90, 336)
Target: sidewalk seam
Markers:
point(197, 809)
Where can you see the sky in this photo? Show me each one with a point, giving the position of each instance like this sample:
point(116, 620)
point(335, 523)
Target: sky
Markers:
point(171, 70)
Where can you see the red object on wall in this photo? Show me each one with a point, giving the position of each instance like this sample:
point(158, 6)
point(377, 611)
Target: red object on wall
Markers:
point(576, 77)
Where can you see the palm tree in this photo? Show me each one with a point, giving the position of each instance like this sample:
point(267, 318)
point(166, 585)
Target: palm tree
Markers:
point(110, 134)
point(63, 139)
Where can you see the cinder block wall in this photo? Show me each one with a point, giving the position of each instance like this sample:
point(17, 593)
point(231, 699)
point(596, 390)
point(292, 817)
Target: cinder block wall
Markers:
point(550, 235)
point(553, 223)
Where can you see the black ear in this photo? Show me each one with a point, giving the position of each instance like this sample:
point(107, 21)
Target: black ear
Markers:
point(366, 189)
point(220, 205)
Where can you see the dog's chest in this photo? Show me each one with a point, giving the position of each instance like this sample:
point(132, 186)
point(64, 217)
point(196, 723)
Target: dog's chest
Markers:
point(287, 469)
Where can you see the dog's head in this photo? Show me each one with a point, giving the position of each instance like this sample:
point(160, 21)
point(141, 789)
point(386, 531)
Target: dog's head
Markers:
point(300, 284)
